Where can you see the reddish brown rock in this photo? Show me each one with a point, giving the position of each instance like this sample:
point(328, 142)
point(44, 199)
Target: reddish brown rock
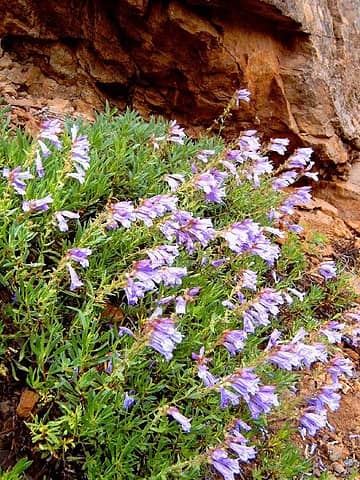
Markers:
point(299, 58)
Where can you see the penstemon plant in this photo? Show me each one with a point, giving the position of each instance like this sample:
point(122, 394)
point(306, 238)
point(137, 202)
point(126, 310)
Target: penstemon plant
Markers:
point(157, 301)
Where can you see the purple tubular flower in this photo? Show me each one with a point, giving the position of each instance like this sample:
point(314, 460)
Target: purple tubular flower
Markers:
point(247, 237)
point(155, 207)
point(163, 336)
point(17, 179)
point(176, 133)
point(80, 154)
point(208, 379)
point(311, 422)
point(226, 466)
point(259, 312)
point(60, 217)
point(219, 262)
point(44, 150)
point(259, 166)
point(327, 269)
point(249, 145)
point(237, 443)
point(188, 230)
point(245, 382)
point(75, 281)
point(327, 397)
point(227, 397)
point(180, 306)
point(163, 255)
point(279, 145)
point(262, 401)
point(340, 366)
point(39, 165)
point(300, 158)
point(120, 213)
point(284, 180)
point(181, 419)
point(241, 425)
point(211, 184)
point(333, 331)
point(249, 280)
point(40, 205)
point(80, 255)
point(125, 331)
point(242, 94)
point(129, 401)
point(172, 276)
point(204, 155)
point(174, 180)
point(233, 340)
point(50, 129)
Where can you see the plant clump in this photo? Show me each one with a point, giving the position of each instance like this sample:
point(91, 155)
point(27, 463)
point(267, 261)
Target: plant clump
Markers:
point(160, 301)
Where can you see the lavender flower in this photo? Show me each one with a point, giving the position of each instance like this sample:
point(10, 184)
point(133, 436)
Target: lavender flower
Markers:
point(242, 94)
point(75, 281)
point(79, 154)
point(259, 166)
point(163, 255)
point(249, 145)
point(211, 183)
point(284, 180)
point(39, 165)
point(80, 255)
point(244, 381)
point(241, 425)
point(333, 331)
point(204, 155)
point(17, 179)
point(188, 230)
point(233, 340)
point(155, 207)
point(60, 217)
point(249, 280)
point(181, 419)
point(247, 237)
point(226, 466)
point(327, 397)
point(259, 312)
point(163, 336)
point(125, 331)
point(300, 158)
point(176, 133)
point(50, 129)
point(327, 269)
point(174, 180)
point(279, 145)
point(311, 422)
point(121, 213)
point(129, 401)
point(44, 149)
point(40, 205)
point(340, 366)
point(262, 401)
point(237, 443)
point(227, 397)
point(208, 379)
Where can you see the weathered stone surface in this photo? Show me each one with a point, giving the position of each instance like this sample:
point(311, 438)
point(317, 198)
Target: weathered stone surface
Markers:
point(299, 58)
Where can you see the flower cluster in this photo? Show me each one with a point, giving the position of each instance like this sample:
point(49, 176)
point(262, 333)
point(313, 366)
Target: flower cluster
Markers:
point(163, 336)
point(247, 237)
point(188, 230)
point(79, 154)
point(211, 183)
point(258, 314)
point(124, 213)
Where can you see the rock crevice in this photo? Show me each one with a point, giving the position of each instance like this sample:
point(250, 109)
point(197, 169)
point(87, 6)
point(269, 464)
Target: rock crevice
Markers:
point(299, 58)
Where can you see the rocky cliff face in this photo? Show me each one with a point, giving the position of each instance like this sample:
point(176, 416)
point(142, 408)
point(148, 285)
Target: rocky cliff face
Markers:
point(184, 59)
